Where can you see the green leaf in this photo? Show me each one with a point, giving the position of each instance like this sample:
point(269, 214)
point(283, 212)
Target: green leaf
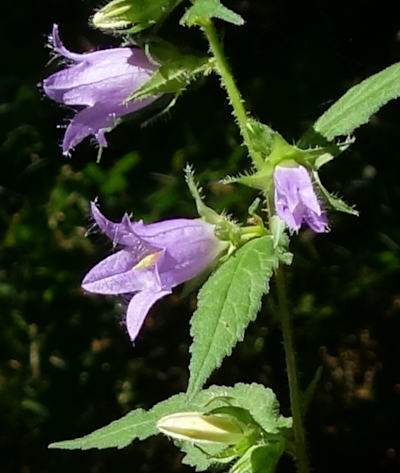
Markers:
point(357, 105)
point(140, 424)
point(227, 302)
point(173, 77)
point(203, 10)
point(334, 201)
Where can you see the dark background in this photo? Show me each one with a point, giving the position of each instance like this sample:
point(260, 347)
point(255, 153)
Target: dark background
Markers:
point(67, 366)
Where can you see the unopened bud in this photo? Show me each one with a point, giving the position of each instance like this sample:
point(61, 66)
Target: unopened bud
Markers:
point(200, 428)
point(114, 15)
point(133, 15)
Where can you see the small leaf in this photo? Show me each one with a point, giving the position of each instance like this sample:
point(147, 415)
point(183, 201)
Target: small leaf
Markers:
point(173, 77)
point(357, 105)
point(227, 302)
point(203, 10)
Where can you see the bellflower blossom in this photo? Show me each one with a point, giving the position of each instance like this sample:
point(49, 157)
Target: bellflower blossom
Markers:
point(152, 260)
point(295, 199)
point(99, 82)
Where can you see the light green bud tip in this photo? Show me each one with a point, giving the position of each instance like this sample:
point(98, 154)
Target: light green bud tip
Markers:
point(114, 15)
point(200, 428)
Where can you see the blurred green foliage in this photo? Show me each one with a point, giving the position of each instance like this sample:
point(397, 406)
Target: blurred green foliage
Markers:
point(66, 364)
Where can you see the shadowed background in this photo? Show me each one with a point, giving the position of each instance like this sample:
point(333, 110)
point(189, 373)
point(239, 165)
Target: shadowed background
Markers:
point(67, 366)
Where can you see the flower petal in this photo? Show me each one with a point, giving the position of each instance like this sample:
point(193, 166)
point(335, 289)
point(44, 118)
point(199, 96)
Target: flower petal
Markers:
point(115, 275)
point(61, 49)
point(295, 199)
point(110, 80)
point(175, 231)
point(138, 308)
point(95, 121)
point(122, 233)
point(135, 56)
point(318, 223)
point(186, 259)
point(286, 187)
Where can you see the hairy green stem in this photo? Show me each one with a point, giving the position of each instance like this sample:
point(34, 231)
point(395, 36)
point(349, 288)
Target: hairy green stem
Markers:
point(302, 461)
point(232, 91)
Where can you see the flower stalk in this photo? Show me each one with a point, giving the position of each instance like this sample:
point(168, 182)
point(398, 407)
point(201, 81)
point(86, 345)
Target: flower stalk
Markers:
point(302, 461)
point(240, 114)
point(228, 82)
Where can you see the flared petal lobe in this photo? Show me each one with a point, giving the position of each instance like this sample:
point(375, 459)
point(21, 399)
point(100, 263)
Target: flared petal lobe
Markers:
point(296, 201)
point(100, 81)
point(154, 259)
point(138, 308)
point(116, 275)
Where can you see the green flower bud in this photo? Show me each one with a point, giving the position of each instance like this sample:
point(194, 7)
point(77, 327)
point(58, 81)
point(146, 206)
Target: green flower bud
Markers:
point(201, 428)
point(114, 15)
point(133, 15)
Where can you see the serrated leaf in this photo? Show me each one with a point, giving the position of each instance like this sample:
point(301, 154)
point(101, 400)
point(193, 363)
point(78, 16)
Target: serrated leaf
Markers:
point(173, 77)
point(203, 10)
point(227, 302)
point(140, 424)
point(357, 105)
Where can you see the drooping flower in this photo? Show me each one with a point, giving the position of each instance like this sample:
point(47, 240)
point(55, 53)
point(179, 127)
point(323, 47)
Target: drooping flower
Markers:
point(98, 82)
point(295, 199)
point(153, 259)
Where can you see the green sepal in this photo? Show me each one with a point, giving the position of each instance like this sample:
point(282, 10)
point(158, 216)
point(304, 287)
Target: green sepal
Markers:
point(275, 150)
point(334, 201)
point(203, 10)
point(174, 75)
point(261, 180)
point(237, 415)
point(259, 459)
point(133, 16)
point(261, 136)
point(252, 405)
point(280, 240)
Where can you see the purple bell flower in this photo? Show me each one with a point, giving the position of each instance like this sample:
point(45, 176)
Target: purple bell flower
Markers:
point(98, 82)
point(295, 199)
point(152, 260)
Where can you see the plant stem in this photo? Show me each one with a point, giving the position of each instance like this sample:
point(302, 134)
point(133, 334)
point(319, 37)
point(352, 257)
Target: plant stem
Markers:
point(302, 461)
point(232, 91)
